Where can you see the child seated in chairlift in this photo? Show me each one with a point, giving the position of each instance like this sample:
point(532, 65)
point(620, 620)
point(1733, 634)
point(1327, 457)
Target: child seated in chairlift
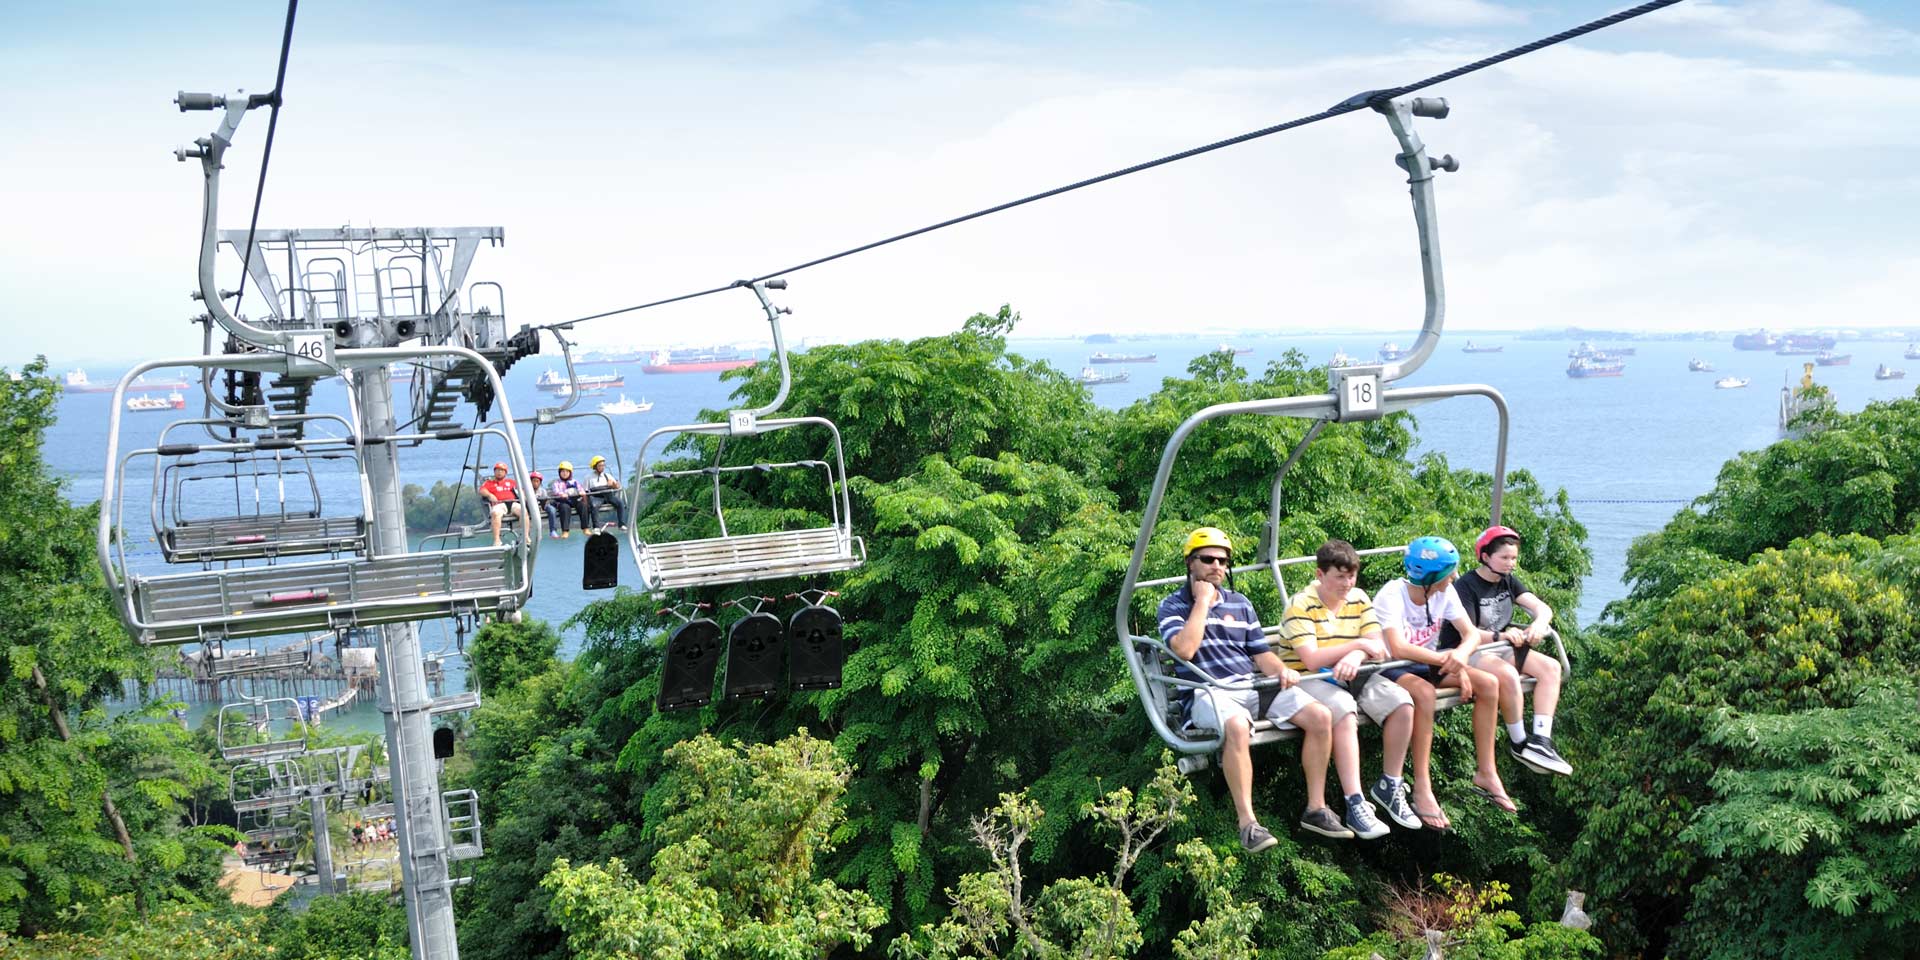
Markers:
point(570, 498)
point(1490, 593)
point(1332, 626)
point(549, 510)
point(502, 495)
point(1412, 610)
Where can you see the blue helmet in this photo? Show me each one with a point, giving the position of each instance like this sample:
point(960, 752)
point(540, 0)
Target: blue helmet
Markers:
point(1429, 560)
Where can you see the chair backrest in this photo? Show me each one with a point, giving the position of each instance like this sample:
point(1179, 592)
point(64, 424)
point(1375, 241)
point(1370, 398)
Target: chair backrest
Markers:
point(686, 678)
point(816, 637)
point(756, 657)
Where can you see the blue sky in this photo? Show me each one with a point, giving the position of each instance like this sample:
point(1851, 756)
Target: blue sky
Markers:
point(1717, 165)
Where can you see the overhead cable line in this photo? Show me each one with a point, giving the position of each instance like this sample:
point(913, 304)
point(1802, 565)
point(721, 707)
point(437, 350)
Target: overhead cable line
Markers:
point(1360, 101)
point(266, 152)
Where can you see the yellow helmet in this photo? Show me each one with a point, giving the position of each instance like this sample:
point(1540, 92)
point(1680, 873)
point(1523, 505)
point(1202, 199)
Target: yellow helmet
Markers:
point(565, 465)
point(1208, 537)
point(596, 461)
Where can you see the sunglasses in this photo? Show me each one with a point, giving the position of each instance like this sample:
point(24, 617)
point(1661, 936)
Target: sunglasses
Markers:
point(1211, 561)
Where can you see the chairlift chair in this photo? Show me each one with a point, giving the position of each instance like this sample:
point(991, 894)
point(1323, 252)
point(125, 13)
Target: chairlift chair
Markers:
point(332, 593)
point(1357, 393)
point(732, 558)
point(261, 729)
point(265, 784)
point(270, 526)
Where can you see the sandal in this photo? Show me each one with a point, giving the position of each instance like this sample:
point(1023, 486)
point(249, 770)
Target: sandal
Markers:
point(1436, 821)
point(1500, 800)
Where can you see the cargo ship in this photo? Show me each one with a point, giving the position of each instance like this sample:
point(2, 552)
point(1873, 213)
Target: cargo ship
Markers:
point(1584, 367)
point(1913, 351)
point(76, 382)
point(1391, 351)
point(553, 381)
point(1884, 372)
point(1828, 358)
point(1759, 340)
point(172, 401)
point(1472, 347)
point(1124, 358)
point(1094, 378)
point(1803, 344)
point(1697, 365)
point(696, 361)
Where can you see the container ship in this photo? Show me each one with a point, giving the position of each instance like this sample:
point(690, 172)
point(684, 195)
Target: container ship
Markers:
point(696, 361)
point(76, 382)
point(1094, 378)
point(1759, 340)
point(1584, 367)
point(1124, 358)
point(553, 381)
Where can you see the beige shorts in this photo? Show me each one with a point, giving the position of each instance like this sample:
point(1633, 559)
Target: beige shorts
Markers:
point(1212, 707)
point(1378, 698)
point(509, 506)
point(1502, 652)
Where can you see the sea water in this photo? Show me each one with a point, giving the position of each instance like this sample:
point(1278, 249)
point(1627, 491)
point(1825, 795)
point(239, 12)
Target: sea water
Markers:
point(1630, 451)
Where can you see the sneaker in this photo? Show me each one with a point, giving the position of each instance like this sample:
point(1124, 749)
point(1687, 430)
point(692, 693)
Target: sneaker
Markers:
point(1363, 823)
point(1321, 820)
point(1394, 802)
point(1255, 838)
point(1540, 756)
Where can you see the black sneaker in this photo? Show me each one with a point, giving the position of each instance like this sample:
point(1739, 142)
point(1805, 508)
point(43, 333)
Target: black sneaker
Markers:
point(1321, 820)
point(1538, 754)
point(1255, 838)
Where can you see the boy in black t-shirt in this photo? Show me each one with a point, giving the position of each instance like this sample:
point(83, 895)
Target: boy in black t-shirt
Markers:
point(1490, 593)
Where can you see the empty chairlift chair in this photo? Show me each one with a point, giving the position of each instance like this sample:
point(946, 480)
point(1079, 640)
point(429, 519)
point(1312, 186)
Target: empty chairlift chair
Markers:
point(260, 730)
point(363, 589)
point(732, 558)
point(263, 503)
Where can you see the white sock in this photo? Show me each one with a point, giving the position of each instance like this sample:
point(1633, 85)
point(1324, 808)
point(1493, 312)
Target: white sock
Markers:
point(1542, 726)
point(1517, 731)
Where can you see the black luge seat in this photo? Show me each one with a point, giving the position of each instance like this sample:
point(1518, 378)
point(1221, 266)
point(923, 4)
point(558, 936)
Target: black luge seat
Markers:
point(600, 564)
point(261, 538)
point(693, 652)
point(816, 639)
point(756, 657)
point(324, 595)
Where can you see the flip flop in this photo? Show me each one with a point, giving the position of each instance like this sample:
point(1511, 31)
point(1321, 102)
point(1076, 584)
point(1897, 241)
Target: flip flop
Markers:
point(1436, 821)
point(1504, 803)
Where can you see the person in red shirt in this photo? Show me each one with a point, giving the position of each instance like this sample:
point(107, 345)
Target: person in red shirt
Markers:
point(503, 499)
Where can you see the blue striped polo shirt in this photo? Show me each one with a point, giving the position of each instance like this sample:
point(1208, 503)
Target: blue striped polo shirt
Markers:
point(1232, 638)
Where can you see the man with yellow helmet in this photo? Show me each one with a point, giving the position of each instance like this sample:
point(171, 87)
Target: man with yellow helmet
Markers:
point(604, 487)
point(1215, 630)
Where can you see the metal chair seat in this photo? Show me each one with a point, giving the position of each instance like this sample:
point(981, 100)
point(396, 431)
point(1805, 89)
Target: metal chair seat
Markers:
point(286, 658)
point(262, 601)
point(748, 557)
point(260, 538)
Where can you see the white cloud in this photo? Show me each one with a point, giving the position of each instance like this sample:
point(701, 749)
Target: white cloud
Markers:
point(1085, 13)
point(1807, 27)
point(1447, 13)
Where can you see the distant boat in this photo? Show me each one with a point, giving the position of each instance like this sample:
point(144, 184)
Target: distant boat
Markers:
point(1340, 359)
point(1124, 358)
point(1230, 348)
point(1099, 338)
point(1586, 367)
point(1472, 347)
point(1094, 378)
point(696, 361)
point(585, 388)
point(1697, 365)
point(1828, 358)
point(1884, 372)
point(172, 401)
point(1584, 349)
point(553, 381)
point(1755, 341)
point(1390, 351)
point(625, 406)
point(1913, 351)
point(1731, 383)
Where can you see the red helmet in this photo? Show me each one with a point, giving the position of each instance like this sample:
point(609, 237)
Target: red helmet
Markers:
point(535, 476)
point(1491, 534)
point(500, 465)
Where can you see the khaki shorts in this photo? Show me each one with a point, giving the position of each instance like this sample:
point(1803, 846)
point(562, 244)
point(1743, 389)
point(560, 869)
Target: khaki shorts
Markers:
point(1503, 652)
point(1212, 707)
point(507, 506)
point(1379, 697)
